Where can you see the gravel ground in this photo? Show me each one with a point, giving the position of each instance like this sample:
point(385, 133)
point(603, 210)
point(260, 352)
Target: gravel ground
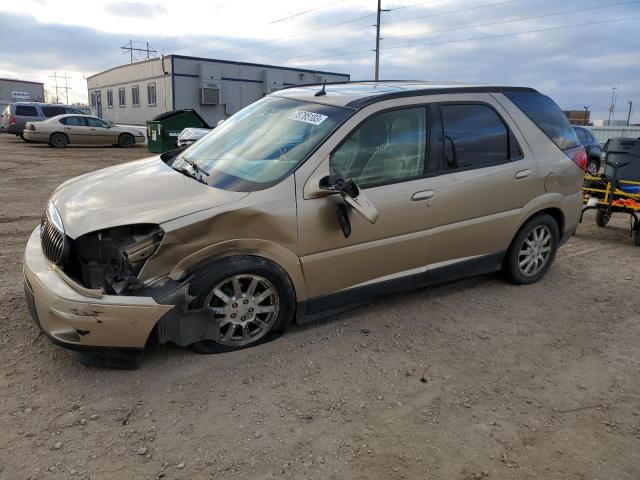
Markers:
point(471, 380)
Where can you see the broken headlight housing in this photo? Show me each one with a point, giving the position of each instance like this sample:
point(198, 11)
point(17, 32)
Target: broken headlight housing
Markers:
point(111, 259)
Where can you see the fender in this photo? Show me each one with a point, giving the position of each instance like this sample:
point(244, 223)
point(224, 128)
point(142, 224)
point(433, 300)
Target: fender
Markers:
point(278, 254)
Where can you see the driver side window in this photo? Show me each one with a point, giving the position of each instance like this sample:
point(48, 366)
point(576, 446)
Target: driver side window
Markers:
point(388, 147)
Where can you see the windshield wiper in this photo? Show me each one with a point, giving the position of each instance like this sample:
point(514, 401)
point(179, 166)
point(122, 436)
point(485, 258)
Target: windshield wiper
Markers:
point(195, 166)
point(189, 174)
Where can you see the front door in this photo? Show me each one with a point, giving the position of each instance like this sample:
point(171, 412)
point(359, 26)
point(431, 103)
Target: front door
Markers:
point(98, 95)
point(101, 134)
point(386, 156)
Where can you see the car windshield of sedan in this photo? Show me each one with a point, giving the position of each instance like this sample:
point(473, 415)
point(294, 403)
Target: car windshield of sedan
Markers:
point(262, 144)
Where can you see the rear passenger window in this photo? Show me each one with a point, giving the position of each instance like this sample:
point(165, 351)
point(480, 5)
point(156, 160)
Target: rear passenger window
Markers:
point(475, 136)
point(544, 112)
point(73, 121)
point(53, 111)
point(386, 148)
point(26, 111)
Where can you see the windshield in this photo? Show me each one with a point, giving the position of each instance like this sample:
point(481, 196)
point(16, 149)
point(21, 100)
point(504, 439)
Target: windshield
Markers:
point(262, 144)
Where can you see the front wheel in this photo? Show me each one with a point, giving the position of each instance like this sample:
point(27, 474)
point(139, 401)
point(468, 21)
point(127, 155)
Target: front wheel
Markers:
point(250, 300)
point(602, 218)
point(532, 251)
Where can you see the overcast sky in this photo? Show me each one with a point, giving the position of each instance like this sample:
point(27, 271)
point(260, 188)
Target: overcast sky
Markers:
point(478, 41)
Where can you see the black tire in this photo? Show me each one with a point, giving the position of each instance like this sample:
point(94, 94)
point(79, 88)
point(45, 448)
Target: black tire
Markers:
point(602, 219)
point(511, 264)
point(593, 166)
point(126, 140)
point(58, 140)
point(635, 235)
point(212, 274)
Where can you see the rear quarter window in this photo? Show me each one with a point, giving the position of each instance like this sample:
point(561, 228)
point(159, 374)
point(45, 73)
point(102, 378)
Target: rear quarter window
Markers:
point(53, 111)
point(26, 111)
point(548, 116)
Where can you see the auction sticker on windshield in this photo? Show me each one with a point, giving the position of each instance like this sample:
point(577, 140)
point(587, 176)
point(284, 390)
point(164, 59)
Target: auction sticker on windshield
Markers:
point(308, 117)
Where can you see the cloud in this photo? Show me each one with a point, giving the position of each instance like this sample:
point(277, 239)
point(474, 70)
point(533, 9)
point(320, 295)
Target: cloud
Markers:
point(575, 65)
point(136, 9)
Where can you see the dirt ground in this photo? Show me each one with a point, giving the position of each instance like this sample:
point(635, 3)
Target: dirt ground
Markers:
point(472, 380)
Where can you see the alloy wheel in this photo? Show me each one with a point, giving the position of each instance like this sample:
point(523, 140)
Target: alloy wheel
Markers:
point(244, 308)
point(535, 250)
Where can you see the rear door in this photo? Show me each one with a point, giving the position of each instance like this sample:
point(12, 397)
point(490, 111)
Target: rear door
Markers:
point(484, 174)
point(100, 132)
point(76, 129)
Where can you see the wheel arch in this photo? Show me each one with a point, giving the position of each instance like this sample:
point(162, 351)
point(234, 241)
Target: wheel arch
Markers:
point(277, 254)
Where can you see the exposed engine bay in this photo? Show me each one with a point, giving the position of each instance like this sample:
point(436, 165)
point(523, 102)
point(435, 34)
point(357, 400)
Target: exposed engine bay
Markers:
point(111, 259)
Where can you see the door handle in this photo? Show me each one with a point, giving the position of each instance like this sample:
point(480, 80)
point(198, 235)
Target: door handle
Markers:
point(423, 195)
point(522, 174)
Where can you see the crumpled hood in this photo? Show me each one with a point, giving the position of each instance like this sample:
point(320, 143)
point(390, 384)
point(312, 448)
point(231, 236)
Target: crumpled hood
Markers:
point(144, 191)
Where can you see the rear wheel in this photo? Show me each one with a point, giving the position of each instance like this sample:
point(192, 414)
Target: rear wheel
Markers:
point(126, 140)
point(593, 166)
point(250, 300)
point(602, 218)
point(635, 234)
point(58, 140)
point(533, 250)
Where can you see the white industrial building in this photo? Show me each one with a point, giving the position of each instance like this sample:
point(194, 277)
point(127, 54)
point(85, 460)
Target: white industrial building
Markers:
point(137, 92)
point(20, 91)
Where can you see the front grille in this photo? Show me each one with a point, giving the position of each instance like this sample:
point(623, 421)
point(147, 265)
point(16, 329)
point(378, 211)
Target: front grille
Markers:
point(52, 240)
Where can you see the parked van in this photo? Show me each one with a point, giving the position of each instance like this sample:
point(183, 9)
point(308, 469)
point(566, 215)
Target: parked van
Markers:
point(310, 199)
point(16, 115)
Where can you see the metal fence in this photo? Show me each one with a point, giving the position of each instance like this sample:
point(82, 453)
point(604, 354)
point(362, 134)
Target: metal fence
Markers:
point(605, 133)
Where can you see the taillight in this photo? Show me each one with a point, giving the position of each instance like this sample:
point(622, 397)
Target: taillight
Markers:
point(30, 126)
point(578, 155)
point(12, 120)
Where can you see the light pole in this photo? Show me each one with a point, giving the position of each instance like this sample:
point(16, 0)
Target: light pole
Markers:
point(613, 104)
point(629, 114)
point(586, 114)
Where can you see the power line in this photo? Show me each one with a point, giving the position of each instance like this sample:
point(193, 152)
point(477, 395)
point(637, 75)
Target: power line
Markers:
point(521, 19)
point(477, 7)
point(486, 36)
point(303, 13)
point(499, 22)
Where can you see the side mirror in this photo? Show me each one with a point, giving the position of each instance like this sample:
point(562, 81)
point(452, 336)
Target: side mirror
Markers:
point(352, 195)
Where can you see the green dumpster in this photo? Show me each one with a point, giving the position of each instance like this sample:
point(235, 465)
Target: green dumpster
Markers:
point(163, 130)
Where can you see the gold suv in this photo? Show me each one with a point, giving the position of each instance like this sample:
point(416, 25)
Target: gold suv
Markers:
point(308, 200)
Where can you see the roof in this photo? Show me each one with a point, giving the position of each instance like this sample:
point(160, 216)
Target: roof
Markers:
point(20, 81)
point(215, 60)
point(359, 94)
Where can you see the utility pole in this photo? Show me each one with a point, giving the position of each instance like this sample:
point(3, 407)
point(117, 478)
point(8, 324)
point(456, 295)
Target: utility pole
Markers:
point(612, 107)
point(148, 49)
point(629, 114)
point(586, 114)
point(377, 50)
point(66, 87)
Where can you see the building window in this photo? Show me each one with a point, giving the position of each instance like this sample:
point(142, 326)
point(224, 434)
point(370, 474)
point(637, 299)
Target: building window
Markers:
point(94, 102)
point(151, 94)
point(135, 96)
point(109, 98)
point(121, 97)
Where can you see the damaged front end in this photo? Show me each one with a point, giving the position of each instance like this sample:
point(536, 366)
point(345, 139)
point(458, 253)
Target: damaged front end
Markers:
point(111, 259)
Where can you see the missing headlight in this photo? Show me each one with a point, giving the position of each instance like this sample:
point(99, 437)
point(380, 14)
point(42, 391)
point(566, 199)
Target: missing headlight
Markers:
point(111, 259)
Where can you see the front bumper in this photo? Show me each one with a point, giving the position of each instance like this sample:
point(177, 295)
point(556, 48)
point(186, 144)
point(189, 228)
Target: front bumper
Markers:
point(77, 318)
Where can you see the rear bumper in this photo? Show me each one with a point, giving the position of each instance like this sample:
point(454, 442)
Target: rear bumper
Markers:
point(79, 319)
point(34, 136)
